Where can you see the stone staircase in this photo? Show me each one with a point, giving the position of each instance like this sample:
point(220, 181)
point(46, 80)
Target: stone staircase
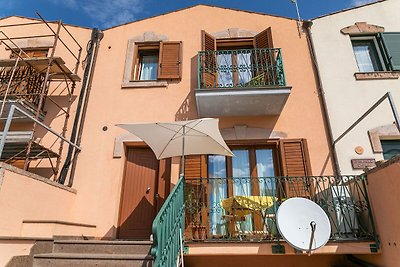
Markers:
point(96, 253)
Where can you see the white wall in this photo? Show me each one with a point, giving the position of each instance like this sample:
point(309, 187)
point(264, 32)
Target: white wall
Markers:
point(348, 98)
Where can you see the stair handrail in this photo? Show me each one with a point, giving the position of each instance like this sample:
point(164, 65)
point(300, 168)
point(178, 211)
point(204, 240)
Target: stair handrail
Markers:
point(167, 225)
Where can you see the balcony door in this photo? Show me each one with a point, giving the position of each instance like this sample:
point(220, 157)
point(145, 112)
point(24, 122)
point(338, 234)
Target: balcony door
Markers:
point(234, 67)
point(251, 173)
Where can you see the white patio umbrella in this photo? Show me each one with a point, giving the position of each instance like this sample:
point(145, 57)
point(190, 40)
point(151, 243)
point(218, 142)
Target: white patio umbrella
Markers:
point(180, 138)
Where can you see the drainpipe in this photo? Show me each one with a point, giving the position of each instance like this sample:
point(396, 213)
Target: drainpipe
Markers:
point(67, 163)
point(99, 37)
point(307, 25)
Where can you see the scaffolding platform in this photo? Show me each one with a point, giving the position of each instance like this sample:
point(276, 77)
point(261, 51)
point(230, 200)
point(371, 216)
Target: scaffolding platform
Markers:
point(58, 69)
point(22, 103)
point(16, 144)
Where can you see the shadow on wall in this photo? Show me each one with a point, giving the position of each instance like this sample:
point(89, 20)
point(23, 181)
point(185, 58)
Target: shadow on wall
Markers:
point(188, 109)
point(53, 112)
point(137, 225)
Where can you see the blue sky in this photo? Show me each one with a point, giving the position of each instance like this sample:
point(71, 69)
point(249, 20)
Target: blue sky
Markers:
point(107, 13)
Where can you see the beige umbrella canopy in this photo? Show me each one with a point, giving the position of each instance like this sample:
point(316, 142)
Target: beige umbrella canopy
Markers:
point(180, 138)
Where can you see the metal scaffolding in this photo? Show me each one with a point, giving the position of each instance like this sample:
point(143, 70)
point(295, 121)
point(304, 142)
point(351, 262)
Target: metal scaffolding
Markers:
point(26, 79)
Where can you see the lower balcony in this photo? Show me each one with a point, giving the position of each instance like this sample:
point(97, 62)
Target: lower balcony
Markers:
point(243, 210)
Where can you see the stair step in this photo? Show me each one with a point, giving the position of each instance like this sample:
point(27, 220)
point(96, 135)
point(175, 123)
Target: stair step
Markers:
point(89, 260)
point(102, 246)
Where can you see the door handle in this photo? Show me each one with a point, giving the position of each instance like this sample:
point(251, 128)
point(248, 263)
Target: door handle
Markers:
point(148, 190)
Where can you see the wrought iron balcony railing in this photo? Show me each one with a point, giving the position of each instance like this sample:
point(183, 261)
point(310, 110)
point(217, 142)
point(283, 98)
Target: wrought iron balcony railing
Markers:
point(243, 68)
point(244, 209)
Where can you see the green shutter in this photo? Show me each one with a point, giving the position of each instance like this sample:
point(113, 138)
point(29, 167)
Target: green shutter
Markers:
point(391, 43)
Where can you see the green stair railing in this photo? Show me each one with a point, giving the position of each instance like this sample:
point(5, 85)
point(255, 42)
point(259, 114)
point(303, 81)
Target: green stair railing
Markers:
point(168, 226)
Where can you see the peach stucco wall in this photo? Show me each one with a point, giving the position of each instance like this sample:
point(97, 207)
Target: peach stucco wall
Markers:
point(25, 196)
point(99, 175)
point(383, 187)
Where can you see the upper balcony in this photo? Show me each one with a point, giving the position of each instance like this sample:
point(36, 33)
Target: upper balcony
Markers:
point(244, 82)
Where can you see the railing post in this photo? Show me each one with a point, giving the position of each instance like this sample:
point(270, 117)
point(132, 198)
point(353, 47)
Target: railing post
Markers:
point(6, 129)
point(371, 218)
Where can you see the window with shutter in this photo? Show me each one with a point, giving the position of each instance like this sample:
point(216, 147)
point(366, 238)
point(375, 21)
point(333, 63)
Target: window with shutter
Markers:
point(295, 165)
point(391, 45)
point(156, 61)
point(238, 61)
point(377, 53)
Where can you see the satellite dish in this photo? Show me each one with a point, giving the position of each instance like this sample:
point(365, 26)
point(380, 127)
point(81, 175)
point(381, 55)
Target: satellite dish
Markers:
point(303, 224)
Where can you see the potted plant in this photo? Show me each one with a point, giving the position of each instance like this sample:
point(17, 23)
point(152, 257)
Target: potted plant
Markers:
point(194, 206)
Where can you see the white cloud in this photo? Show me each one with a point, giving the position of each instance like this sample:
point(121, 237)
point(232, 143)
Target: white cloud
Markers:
point(111, 13)
point(105, 13)
point(361, 2)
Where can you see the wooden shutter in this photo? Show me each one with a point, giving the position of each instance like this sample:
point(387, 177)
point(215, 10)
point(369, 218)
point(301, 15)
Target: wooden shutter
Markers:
point(208, 42)
point(192, 167)
point(391, 45)
point(264, 39)
point(264, 60)
point(196, 191)
point(169, 60)
point(295, 166)
point(208, 61)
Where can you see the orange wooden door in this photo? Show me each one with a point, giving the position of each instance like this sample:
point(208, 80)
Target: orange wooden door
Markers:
point(138, 200)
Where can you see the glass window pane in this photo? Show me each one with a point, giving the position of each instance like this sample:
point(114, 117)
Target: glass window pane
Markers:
point(390, 148)
point(241, 172)
point(242, 182)
point(148, 67)
point(217, 192)
point(266, 172)
point(244, 67)
point(366, 55)
point(267, 184)
point(224, 67)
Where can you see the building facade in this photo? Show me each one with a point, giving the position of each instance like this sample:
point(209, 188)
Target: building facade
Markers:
point(357, 51)
point(255, 73)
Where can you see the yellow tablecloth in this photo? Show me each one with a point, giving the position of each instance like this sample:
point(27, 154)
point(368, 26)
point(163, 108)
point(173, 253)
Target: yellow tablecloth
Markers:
point(244, 205)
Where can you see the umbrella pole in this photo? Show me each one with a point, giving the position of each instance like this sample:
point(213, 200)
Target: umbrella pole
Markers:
point(183, 153)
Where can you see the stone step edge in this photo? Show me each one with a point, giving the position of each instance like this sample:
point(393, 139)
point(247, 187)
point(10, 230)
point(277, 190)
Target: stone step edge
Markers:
point(89, 256)
point(103, 242)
